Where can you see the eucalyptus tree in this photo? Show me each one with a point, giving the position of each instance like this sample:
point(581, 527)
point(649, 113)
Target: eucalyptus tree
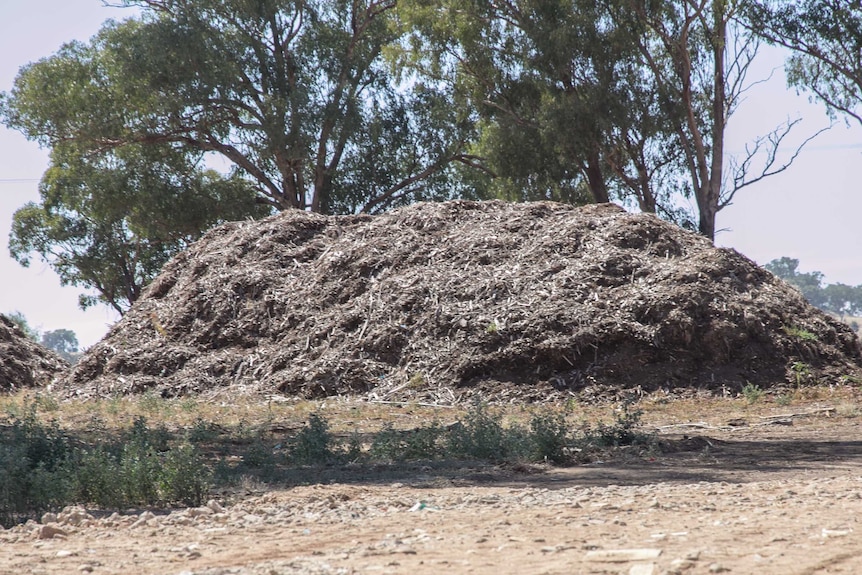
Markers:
point(108, 222)
point(289, 92)
point(699, 55)
point(568, 104)
point(825, 39)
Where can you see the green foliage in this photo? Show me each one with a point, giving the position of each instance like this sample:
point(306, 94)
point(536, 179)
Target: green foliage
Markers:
point(184, 478)
point(32, 457)
point(390, 444)
point(108, 221)
point(752, 392)
point(810, 284)
point(839, 298)
point(799, 333)
point(623, 431)
point(480, 436)
point(297, 96)
point(824, 38)
point(566, 112)
point(17, 318)
point(801, 372)
point(41, 468)
point(314, 444)
point(258, 455)
point(551, 437)
point(63, 341)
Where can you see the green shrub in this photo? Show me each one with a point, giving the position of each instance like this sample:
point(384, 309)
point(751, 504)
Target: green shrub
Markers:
point(95, 477)
point(185, 478)
point(752, 393)
point(392, 445)
point(313, 445)
point(480, 436)
point(551, 437)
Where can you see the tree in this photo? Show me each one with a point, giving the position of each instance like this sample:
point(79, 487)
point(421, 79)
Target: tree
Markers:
point(810, 284)
point(699, 56)
point(839, 299)
point(825, 37)
point(842, 299)
point(19, 320)
point(108, 222)
point(295, 94)
point(629, 99)
point(63, 341)
point(566, 114)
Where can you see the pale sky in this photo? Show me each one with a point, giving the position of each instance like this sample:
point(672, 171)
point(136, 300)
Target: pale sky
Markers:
point(812, 212)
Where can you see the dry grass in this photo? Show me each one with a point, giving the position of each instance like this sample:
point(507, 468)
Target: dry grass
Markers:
point(276, 416)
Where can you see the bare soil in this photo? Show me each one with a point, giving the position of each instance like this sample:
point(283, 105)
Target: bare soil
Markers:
point(776, 490)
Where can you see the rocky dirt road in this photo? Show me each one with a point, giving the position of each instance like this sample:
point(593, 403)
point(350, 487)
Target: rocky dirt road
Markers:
point(778, 497)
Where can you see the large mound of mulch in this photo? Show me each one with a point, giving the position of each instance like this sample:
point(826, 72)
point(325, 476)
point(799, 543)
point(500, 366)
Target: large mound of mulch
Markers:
point(23, 362)
point(434, 300)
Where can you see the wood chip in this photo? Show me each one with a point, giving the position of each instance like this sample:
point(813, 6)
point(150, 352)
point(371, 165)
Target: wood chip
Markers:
point(622, 555)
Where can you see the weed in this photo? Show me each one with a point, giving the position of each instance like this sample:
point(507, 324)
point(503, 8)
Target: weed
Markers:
point(625, 430)
point(801, 371)
point(43, 468)
point(480, 436)
point(185, 478)
point(784, 399)
point(550, 436)
point(202, 432)
point(313, 444)
point(46, 402)
point(799, 333)
point(752, 393)
point(258, 455)
point(390, 444)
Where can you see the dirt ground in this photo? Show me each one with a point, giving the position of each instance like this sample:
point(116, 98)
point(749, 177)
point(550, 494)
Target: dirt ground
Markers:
point(774, 491)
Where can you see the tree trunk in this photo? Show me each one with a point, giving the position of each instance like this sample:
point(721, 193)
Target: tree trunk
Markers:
point(712, 197)
point(595, 178)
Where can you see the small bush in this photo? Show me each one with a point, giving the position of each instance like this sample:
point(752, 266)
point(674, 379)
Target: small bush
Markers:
point(625, 430)
point(390, 444)
point(258, 455)
point(551, 437)
point(752, 393)
point(799, 333)
point(94, 475)
point(185, 478)
point(480, 436)
point(313, 445)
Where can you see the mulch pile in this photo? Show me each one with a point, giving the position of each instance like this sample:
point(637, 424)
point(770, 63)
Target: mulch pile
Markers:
point(438, 301)
point(23, 362)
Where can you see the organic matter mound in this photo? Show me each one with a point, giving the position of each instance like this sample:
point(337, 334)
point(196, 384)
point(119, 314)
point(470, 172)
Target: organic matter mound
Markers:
point(437, 300)
point(23, 362)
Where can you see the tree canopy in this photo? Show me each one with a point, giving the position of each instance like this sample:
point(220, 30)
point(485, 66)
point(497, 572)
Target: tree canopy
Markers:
point(294, 94)
point(108, 222)
point(338, 106)
point(825, 37)
point(63, 341)
point(839, 298)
